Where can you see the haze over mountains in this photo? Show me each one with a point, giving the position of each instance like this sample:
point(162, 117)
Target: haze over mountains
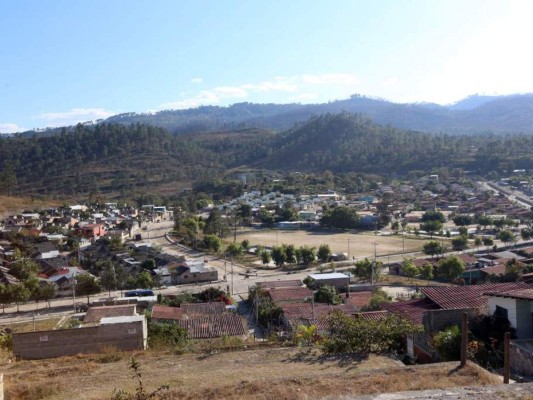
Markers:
point(474, 114)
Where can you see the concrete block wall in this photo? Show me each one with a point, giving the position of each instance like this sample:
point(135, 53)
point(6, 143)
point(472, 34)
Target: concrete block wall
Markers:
point(521, 357)
point(68, 342)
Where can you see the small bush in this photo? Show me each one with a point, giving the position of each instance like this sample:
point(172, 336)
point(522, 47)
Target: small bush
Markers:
point(109, 354)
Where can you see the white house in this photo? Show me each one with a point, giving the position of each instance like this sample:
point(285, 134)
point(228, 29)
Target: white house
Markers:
point(517, 307)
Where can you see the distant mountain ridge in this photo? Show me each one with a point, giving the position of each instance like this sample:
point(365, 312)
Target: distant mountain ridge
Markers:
point(474, 114)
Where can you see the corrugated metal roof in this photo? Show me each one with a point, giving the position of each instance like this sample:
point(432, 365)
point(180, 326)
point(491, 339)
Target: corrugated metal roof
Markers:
point(123, 319)
point(213, 326)
point(331, 275)
point(454, 297)
point(280, 284)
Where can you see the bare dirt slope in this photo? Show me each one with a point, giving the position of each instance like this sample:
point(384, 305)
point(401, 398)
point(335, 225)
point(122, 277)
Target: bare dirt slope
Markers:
point(267, 373)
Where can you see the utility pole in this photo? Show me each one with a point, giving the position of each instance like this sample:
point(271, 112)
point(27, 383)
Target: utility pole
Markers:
point(374, 263)
point(348, 248)
point(232, 277)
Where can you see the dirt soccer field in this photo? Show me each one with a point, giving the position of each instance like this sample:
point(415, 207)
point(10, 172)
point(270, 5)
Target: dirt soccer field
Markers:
point(358, 245)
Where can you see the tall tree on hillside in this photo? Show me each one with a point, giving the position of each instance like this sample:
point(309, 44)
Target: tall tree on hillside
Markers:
point(86, 285)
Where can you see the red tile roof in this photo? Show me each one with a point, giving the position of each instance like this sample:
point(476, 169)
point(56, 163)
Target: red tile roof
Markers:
point(213, 326)
point(199, 309)
point(296, 312)
point(413, 310)
point(359, 299)
point(280, 284)
point(166, 312)
point(494, 270)
point(289, 294)
point(454, 297)
point(372, 315)
point(95, 314)
point(525, 293)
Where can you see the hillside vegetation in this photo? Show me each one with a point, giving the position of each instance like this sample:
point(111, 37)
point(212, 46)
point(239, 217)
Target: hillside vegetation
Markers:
point(120, 159)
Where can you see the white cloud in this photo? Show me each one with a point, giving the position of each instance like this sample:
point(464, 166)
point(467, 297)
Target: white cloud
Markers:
point(197, 80)
point(330, 79)
point(73, 116)
point(10, 128)
point(230, 92)
point(301, 87)
point(304, 97)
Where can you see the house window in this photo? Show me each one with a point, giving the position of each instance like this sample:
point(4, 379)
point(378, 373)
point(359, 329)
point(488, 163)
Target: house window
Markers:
point(500, 312)
point(132, 331)
point(43, 338)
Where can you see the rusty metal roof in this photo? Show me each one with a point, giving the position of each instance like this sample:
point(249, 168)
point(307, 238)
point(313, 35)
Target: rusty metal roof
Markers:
point(213, 326)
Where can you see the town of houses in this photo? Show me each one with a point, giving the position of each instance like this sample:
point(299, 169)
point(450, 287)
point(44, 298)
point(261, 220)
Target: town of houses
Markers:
point(73, 240)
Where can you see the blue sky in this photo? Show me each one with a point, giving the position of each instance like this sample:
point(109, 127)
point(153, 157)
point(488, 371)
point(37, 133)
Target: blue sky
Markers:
point(65, 61)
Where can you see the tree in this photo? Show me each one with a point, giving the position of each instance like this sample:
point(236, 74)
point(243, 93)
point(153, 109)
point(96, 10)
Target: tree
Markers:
point(144, 280)
point(433, 248)
point(19, 294)
point(463, 220)
point(368, 270)
point(24, 268)
point(108, 278)
point(409, 269)
point(290, 253)
point(506, 236)
point(432, 215)
point(379, 297)
point(431, 226)
point(450, 268)
point(47, 291)
point(362, 336)
point(308, 255)
point(343, 217)
point(448, 343)
point(460, 243)
point(86, 285)
point(487, 241)
point(216, 225)
point(324, 253)
point(288, 212)
point(327, 294)
point(427, 271)
point(265, 257)
point(212, 243)
point(278, 255)
point(148, 264)
point(234, 249)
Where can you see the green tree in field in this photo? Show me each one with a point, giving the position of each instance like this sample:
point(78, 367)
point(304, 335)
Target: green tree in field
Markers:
point(427, 271)
point(265, 257)
point(433, 248)
point(212, 243)
point(290, 253)
point(234, 249)
point(409, 269)
point(431, 227)
point(278, 255)
point(460, 243)
point(19, 294)
point(368, 270)
point(324, 253)
point(308, 255)
point(506, 236)
point(340, 217)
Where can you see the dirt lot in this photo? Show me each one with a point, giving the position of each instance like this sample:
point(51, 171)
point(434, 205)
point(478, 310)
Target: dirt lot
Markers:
point(360, 244)
point(282, 373)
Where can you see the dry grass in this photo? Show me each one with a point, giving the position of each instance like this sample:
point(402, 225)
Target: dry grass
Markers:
point(40, 325)
point(13, 204)
point(361, 244)
point(405, 281)
point(282, 373)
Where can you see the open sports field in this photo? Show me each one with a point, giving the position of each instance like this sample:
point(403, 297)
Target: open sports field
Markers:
point(356, 244)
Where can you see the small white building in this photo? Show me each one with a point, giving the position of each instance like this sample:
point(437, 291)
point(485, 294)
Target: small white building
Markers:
point(335, 279)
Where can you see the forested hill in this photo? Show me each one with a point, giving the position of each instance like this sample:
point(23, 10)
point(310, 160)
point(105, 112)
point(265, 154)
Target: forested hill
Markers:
point(128, 160)
point(346, 142)
point(101, 158)
point(476, 114)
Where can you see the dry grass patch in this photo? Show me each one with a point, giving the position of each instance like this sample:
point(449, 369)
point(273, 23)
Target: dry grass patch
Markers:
point(266, 373)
